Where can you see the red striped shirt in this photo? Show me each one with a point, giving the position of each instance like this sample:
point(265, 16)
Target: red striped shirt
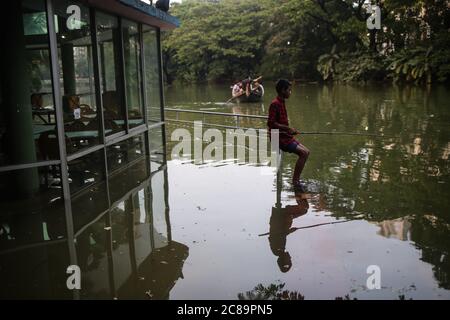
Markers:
point(278, 113)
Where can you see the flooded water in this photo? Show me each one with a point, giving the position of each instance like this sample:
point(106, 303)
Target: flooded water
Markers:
point(380, 199)
point(228, 229)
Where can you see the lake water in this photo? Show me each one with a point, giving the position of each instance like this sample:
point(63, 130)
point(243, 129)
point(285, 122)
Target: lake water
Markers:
point(377, 209)
point(389, 187)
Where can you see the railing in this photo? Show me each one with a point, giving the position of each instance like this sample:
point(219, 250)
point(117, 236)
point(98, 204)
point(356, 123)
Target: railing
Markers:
point(237, 117)
point(237, 126)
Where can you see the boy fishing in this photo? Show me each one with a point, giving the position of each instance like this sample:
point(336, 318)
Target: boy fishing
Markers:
point(278, 119)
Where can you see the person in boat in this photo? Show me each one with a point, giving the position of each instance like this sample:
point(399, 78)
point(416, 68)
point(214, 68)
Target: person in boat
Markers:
point(237, 90)
point(256, 87)
point(278, 119)
point(246, 85)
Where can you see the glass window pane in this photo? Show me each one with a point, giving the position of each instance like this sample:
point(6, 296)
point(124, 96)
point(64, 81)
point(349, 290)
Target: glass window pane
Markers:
point(93, 260)
point(142, 225)
point(125, 152)
point(31, 207)
point(127, 166)
point(86, 171)
point(26, 99)
point(152, 74)
point(108, 35)
point(81, 121)
point(132, 56)
point(122, 222)
point(159, 210)
point(89, 204)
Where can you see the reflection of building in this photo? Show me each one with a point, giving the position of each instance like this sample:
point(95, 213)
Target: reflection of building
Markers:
point(446, 152)
point(81, 131)
point(399, 229)
point(125, 251)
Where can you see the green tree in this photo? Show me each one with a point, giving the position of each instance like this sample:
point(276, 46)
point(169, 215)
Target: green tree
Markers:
point(217, 39)
point(229, 39)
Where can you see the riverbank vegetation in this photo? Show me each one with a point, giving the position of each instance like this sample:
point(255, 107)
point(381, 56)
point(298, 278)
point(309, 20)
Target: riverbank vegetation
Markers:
point(309, 40)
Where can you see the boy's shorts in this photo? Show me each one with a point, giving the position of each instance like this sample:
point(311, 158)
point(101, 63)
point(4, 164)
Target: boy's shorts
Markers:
point(291, 147)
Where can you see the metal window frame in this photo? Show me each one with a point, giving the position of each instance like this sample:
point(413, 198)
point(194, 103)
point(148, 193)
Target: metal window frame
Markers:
point(144, 92)
point(56, 87)
point(114, 136)
point(136, 132)
point(161, 91)
point(97, 76)
point(167, 206)
point(143, 74)
point(122, 68)
point(30, 165)
point(84, 153)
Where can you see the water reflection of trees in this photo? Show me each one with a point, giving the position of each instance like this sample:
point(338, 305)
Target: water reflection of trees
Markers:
point(404, 174)
point(406, 169)
point(277, 292)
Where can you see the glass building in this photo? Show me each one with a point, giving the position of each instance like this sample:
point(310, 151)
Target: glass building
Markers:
point(82, 147)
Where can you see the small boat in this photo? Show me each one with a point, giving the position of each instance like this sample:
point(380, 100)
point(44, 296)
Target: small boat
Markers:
point(255, 96)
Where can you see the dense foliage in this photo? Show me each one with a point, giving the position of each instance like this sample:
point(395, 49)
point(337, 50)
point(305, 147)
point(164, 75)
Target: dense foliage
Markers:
point(309, 40)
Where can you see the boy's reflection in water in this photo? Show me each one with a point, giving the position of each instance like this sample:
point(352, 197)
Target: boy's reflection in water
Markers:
point(281, 226)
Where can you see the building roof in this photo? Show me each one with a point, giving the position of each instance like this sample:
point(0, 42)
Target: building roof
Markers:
point(137, 10)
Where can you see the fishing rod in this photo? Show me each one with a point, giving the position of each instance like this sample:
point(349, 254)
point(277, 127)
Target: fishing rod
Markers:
point(338, 133)
point(361, 134)
point(309, 227)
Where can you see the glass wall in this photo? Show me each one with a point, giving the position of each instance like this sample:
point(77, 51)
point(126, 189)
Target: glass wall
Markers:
point(62, 183)
point(28, 130)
